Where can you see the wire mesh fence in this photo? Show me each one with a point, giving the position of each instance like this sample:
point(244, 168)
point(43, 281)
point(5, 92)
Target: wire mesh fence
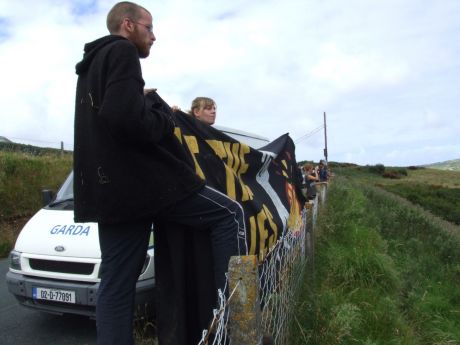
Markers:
point(277, 279)
point(280, 275)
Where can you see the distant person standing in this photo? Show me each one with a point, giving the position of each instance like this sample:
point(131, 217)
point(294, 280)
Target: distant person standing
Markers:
point(322, 171)
point(310, 179)
point(130, 170)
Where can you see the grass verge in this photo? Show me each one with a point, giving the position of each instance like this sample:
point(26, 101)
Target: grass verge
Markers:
point(385, 274)
point(443, 202)
point(22, 177)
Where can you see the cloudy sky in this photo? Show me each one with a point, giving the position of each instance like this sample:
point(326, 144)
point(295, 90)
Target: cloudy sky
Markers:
point(386, 72)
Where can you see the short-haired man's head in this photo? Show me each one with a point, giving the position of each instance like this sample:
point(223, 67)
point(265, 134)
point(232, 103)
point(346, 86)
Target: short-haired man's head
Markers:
point(120, 11)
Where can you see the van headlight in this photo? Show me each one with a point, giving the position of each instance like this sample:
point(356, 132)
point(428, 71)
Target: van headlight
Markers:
point(15, 260)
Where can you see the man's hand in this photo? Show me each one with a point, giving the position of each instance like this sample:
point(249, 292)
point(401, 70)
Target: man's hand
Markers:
point(146, 91)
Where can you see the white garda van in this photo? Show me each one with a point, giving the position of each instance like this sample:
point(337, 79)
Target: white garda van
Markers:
point(54, 266)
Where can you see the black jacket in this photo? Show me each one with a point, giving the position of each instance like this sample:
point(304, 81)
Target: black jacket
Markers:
point(128, 164)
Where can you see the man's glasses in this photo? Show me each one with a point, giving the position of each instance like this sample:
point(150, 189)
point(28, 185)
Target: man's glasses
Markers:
point(148, 27)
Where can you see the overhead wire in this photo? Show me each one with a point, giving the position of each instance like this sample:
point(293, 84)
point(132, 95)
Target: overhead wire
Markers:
point(309, 134)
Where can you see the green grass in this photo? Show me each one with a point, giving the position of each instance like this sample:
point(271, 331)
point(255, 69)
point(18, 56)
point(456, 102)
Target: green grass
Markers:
point(22, 177)
point(384, 274)
point(436, 191)
point(433, 177)
point(443, 202)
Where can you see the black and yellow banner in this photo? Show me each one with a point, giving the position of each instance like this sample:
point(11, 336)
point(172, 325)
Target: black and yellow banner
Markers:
point(262, 180)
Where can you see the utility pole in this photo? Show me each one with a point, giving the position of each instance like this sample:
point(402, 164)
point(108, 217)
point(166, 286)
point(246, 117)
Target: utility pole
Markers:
point(325, 138)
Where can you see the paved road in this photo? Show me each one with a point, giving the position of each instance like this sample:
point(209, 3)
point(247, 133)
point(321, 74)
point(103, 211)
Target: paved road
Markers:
point(22, 326)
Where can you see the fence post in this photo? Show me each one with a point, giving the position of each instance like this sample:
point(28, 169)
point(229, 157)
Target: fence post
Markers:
point(244, 305)
point(309, 232)
point(321, 187)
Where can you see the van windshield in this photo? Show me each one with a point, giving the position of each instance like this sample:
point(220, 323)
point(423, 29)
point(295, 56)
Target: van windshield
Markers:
point(253, 140)
point(66, 191)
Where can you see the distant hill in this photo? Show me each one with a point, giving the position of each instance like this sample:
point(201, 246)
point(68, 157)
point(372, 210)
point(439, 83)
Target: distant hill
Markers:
point(453, 164)
point(30, 149)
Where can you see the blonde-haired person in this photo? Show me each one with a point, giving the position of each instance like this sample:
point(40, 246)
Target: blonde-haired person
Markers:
point(310, 178)
point(204, 109)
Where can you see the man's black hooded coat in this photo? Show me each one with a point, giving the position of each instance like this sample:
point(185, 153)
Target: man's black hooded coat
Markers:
point(128, 164)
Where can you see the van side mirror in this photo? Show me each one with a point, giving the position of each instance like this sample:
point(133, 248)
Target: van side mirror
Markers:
point(47, 196)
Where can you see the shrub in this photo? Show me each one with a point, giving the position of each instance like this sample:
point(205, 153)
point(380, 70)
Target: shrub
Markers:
point(395, 173)
point(378, 169)
point(22, 177)
point(391, 174)
point(412, 167)
point(402, 171)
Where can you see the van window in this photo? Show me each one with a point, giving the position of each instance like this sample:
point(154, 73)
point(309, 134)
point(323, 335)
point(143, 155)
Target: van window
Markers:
point(253, 140)
point(66, 191)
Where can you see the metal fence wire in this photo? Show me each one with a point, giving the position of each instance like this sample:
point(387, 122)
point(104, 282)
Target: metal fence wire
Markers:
point(278, 277)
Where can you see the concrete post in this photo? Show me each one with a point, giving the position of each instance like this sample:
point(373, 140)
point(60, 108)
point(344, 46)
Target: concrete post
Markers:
point(309, 230)
point(321, 188)
point(245, 315)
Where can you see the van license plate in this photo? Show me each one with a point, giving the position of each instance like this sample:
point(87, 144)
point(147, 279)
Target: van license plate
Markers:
point(56, 295)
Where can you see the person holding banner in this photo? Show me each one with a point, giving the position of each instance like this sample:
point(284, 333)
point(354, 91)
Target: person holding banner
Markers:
point(131, 171)
point(310, 178)
point(204, 110)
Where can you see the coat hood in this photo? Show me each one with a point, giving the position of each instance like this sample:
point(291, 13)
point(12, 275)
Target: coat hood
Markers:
point(91, 49)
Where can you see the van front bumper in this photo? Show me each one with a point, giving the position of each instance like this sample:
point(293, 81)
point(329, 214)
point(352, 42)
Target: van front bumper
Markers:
point(85, 294)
